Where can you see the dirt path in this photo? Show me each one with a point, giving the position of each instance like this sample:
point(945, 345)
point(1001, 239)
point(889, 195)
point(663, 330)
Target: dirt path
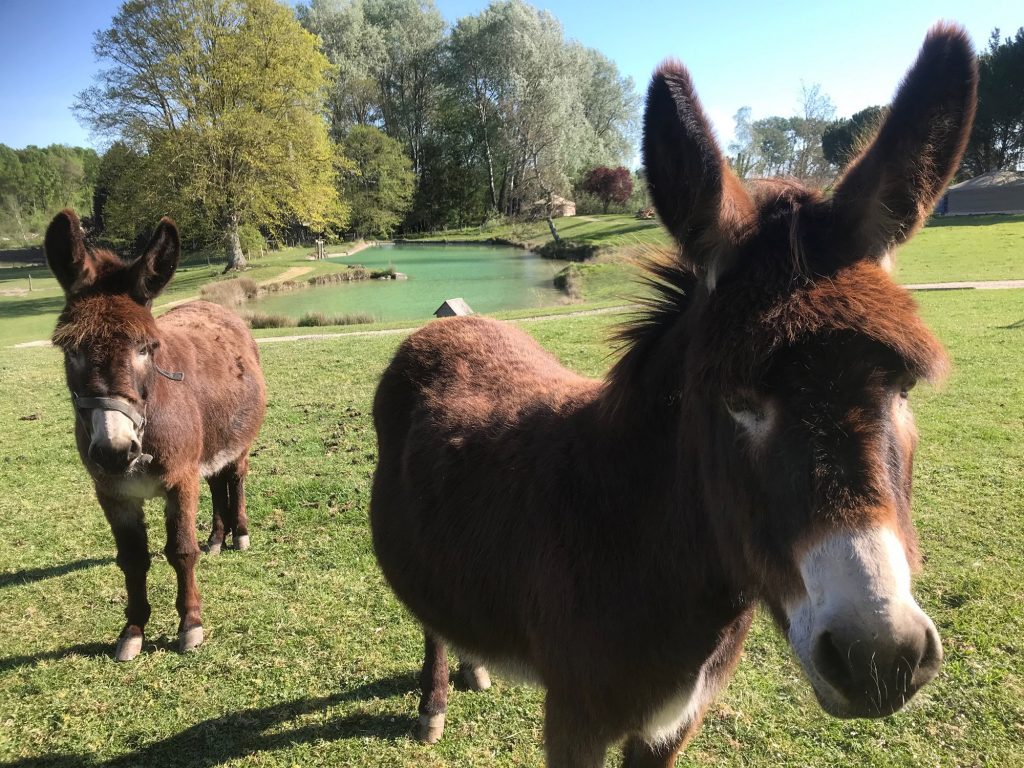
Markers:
point(289, 274)
point(981, 285)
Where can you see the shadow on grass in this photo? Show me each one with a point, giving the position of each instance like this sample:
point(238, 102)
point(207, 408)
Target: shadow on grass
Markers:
point(90, 650)
point(30, 575)
point(243, 733)
point(979, 220)
point(36, 305)
point(1012, 326)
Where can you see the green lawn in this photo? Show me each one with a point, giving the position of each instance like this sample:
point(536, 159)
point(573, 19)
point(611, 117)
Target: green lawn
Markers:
point(310, 661)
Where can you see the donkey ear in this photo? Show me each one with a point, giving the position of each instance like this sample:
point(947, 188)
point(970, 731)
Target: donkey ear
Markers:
point(888, 192)
point(155, 268)
point(698, 197)
point(64, 246)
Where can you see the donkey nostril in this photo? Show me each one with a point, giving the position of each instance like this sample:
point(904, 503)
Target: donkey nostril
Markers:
point(931, 659)
point(832, 662)
point(134, 450)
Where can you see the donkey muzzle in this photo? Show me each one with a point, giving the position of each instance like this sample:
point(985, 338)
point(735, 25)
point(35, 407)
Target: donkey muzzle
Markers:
point(861, 638)
point(115, 431)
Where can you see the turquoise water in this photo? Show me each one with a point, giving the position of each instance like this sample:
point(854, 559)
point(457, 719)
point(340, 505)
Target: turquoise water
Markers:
point(489, 277)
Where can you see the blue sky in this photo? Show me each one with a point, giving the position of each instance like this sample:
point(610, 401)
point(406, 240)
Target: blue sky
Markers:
point(752, 54)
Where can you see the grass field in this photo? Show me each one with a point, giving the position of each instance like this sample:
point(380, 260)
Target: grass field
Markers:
point(310, 661)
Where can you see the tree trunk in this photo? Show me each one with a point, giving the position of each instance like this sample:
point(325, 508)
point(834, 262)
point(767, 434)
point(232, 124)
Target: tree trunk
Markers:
point(233, 245)
point(554, 232)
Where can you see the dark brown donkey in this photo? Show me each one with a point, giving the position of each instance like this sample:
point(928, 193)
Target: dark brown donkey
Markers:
point(610, 539)
point(158, 403)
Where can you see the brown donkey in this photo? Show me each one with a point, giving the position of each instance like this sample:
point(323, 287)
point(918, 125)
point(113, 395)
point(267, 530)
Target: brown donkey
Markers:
point(158, 403)
point(610, 539)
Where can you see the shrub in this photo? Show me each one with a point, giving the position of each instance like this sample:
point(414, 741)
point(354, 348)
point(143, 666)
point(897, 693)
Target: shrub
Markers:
point(230, 293)
point(383, 274)
point(570, 282)
point(351, 274)
point(313, 319)
point(264, 320)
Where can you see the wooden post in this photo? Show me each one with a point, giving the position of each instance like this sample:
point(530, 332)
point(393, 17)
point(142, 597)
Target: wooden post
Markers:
point(30, 282)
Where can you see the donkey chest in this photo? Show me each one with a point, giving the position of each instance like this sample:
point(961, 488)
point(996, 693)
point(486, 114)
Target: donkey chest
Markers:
point(670, 717)
point(140, 486)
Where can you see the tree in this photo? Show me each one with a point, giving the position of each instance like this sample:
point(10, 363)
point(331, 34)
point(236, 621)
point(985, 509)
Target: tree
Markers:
point(35, 181)
point(844, 138)
point(997, 141)
point(609, 185)
point(379, 182)
point(387, 53)
point(223, 100)
point(785, 146)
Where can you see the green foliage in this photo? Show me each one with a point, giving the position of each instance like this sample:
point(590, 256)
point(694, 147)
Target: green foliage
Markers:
point(785, 146)
point(502, 112)
point(997, 141)
point(844, 138)
point(221, 101)
point(378, 183)
point(35, 182)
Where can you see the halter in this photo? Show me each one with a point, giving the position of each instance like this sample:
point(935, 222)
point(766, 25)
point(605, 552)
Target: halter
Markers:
point(122, 406)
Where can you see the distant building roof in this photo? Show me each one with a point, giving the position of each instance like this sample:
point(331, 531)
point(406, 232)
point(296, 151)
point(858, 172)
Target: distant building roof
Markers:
point(453, 308)
point(992, 192)
point(992, 179)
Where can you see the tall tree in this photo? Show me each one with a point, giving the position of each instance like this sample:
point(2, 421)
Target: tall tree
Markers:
point(609, 185)
point(844, 138)
point(223, 98)
point(387, 53)
point(785, 146)
point(378, 180)
point(997, 141)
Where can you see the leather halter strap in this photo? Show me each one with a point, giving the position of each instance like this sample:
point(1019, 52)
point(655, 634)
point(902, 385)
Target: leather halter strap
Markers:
point(112, 404)
point(172, 375)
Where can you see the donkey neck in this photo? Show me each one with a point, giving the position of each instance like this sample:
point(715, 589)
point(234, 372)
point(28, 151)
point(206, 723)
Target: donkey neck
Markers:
point(651, 446)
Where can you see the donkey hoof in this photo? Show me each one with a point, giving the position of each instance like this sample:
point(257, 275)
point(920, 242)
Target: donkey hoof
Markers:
point(241, 543)
point(129, 644)
point(212, 548)
point(475, 676)
point(190, 639)
point(429, 728)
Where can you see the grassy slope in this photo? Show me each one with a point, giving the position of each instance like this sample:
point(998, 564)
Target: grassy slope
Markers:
point(310, 661)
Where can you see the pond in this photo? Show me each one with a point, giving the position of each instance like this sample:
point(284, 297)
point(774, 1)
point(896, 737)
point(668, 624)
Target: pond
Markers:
point(489, 277)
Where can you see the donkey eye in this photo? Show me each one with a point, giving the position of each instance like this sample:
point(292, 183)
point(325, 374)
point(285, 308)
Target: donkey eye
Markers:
point(906, 387)
point(143, 350)
point(743, 402)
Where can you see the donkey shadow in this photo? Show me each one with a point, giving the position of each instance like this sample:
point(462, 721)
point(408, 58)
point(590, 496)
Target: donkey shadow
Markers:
point(30, 575)
point(243, 733)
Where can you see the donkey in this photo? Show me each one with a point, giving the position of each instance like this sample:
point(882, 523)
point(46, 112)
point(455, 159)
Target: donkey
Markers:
point(158, 403)
point(753, 444)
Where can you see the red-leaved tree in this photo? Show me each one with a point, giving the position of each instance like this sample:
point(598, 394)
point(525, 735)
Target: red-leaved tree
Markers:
point(609, 185)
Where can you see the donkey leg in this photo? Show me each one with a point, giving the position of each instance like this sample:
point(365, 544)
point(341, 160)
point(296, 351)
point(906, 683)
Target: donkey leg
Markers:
point(183, 553)
point(236, 495)
point(570, 740)
point(434, 687)
point(219, 491)
point(475, 676)
point(128, 526)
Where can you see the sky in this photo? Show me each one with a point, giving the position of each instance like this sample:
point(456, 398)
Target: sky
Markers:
point(753, 54)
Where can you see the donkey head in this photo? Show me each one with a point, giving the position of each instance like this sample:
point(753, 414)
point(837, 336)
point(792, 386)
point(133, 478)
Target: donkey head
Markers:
point(108, 336)
point(800, 357)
